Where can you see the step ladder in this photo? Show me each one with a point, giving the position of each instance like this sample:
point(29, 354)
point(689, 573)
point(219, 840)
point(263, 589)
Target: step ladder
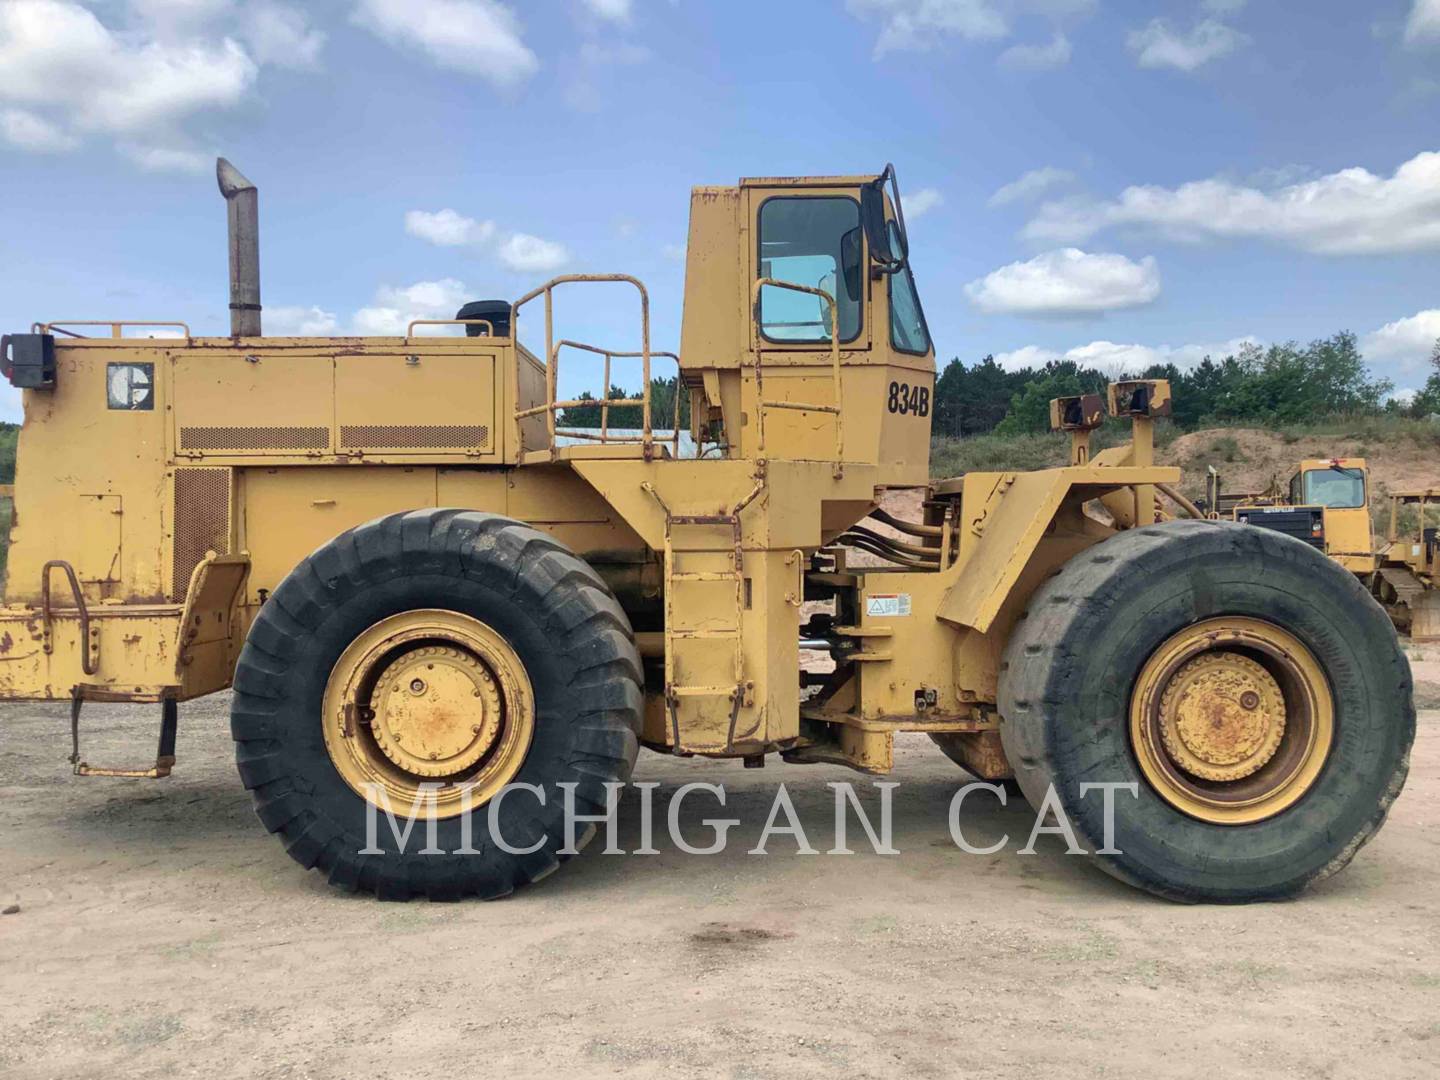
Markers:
point(686, 639)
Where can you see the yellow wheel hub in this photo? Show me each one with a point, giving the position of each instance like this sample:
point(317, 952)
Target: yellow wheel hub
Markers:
point(437, 711)
point(430, 710)
point(1231, 720)
point(1222, 717)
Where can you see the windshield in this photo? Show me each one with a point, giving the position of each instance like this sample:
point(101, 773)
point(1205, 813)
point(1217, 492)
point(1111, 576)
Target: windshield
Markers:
point(1339, 489)
point(814, 242)
point(908, 332)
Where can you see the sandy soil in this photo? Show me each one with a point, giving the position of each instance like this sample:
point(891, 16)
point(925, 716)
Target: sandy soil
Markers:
point(1260, 455)
point(161, 932)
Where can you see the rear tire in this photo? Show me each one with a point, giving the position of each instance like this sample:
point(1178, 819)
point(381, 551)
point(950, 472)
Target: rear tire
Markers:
point(1069, 716)
point(550, 610)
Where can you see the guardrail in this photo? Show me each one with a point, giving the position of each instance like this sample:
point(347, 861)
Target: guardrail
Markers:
point(552, 405)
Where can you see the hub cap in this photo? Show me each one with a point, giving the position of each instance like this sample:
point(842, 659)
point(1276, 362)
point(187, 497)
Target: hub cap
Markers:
point(1231, 720)
point(429, 698)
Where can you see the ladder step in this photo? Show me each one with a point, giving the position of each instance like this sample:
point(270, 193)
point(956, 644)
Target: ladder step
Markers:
point(703, 691)
point(703, 575)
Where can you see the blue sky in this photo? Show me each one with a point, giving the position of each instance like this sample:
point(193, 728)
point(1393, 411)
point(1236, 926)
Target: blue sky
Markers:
point(1116, 181)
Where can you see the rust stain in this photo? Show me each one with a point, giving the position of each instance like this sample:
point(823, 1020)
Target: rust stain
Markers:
point(6, 643)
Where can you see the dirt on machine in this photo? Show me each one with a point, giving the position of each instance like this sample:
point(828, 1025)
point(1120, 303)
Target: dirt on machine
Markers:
point(1326, 503)
point(431, 594)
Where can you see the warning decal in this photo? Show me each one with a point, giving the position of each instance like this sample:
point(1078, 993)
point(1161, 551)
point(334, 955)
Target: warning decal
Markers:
point(887, 604)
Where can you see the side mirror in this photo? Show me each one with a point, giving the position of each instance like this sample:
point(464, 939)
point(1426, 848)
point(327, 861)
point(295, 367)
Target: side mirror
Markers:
point(872, 216)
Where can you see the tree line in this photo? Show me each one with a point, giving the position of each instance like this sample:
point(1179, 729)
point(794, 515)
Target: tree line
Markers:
point(1276, 384)
point(1282, 383)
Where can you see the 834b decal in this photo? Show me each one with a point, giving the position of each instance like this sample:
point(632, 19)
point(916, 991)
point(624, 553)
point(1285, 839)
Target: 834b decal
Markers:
point(908, 400)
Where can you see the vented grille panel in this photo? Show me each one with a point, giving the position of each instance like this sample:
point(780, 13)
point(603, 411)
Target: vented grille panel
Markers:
point(413, 436)
point(254, 438)
point(202, 521)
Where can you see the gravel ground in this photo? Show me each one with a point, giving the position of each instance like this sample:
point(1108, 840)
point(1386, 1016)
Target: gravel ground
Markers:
point(162, 932)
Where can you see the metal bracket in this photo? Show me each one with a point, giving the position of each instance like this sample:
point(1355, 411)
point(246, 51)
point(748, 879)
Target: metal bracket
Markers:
point(164, 753)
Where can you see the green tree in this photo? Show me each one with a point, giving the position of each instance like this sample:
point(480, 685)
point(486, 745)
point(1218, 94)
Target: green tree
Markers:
point(1030, 407)
point(1427, 401)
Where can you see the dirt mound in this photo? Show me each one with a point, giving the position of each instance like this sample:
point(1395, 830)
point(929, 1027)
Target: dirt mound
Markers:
point(1249, 458)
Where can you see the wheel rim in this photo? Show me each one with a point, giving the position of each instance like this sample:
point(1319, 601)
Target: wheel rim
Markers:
point(430, 698)
point(1232, 720)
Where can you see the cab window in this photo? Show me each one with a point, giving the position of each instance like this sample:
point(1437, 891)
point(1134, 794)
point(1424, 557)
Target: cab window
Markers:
point(908, 331)
point(1339, 489)
point(813, 242)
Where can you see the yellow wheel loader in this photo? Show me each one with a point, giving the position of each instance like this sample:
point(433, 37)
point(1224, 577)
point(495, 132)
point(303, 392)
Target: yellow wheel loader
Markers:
point(432, 594)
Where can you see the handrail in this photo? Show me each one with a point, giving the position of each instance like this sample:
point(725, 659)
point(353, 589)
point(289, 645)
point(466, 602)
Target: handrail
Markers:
point(90, 652)
point(489, 326)
point(552, 405)
point(606, 403)
point(115, 327)
point(799, 406)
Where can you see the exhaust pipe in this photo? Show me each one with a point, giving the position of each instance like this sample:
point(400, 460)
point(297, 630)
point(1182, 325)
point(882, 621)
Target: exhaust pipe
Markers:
point(242, 212)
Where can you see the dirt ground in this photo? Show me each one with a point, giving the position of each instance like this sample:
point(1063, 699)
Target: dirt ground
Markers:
point(162, 932)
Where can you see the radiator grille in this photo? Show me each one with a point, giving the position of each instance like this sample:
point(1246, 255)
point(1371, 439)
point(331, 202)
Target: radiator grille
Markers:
point(413, 436)
point(202, 521)
point(254, 438)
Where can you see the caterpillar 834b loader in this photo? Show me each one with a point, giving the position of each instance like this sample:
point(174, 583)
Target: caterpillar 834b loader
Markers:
point(426, 593)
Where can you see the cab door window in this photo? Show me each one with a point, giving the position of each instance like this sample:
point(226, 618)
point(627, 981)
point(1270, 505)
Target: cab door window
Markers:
point(816, 242)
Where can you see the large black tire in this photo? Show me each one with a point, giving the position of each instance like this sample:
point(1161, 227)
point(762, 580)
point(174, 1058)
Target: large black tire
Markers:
point(563, 623)
point(1069, 667)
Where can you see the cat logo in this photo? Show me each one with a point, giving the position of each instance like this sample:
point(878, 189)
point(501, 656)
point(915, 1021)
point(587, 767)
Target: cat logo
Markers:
point(130, 387)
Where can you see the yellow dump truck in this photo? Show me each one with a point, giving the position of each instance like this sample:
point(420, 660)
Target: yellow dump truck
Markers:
point(430, 595)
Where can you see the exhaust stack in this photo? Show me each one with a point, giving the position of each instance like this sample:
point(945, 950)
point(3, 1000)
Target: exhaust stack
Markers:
point(242, 212)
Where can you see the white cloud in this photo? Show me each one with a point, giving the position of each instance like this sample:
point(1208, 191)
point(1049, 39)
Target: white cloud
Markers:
point(530, 254)
point(919, 24)
point(395, 307)
point(281, 35)
point(475, 37)
point(281, 321)
point(614, 10)
point(1053, 54)
point(1031, 185)
point(1113, 357)
point(1423, 26)
point(1158, 45)
point(30, 132)
point(140, 76)
point(1349, 212)
point(922, 24)
point(1404, 347)
point(58, 56)
point(919, 203)
point(167, 158)
point(517, 251)
point(674, 252)
point(447, 228)
point(1067, 282)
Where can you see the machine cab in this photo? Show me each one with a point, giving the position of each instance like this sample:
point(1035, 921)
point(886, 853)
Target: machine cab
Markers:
point(809, 342)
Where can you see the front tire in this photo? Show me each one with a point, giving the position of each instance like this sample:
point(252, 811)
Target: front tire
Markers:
point(1251, 690)
point(428, 652)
